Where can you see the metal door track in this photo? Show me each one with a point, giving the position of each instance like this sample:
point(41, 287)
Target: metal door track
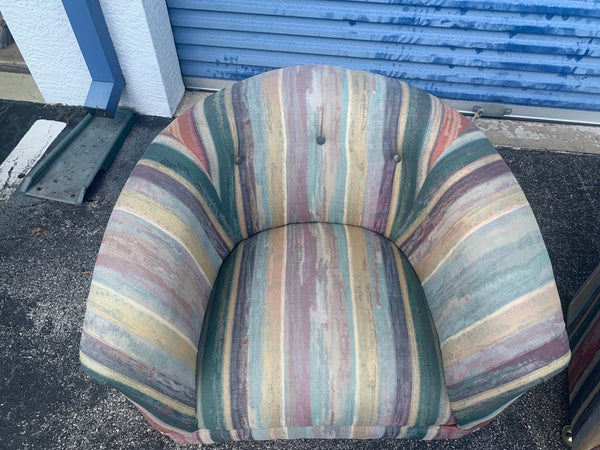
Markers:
point(67, 171)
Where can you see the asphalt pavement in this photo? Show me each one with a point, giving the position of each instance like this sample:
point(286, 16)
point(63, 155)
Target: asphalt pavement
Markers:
point(48, 250)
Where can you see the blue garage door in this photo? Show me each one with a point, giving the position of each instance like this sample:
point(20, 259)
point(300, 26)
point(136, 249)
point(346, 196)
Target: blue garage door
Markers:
point(534, 53)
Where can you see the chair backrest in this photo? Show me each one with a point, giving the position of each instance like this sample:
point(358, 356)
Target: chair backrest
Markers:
point(327, 144)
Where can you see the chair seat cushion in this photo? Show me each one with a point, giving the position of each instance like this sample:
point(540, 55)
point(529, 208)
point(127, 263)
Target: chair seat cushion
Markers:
point(318, 330)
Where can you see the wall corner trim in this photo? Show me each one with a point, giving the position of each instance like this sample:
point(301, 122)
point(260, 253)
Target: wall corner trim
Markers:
point(96, 46)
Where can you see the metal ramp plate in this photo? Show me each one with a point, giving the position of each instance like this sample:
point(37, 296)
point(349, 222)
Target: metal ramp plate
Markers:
point(67, 171)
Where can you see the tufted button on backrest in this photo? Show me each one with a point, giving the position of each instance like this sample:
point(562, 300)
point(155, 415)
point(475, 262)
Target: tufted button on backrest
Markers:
point(323, 144)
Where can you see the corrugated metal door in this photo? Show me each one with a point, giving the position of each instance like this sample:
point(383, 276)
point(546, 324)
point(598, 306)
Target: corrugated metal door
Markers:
point(542, 53)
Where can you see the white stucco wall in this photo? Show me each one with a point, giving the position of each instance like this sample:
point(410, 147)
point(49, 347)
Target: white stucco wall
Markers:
point(142, 37)
point(48, 45)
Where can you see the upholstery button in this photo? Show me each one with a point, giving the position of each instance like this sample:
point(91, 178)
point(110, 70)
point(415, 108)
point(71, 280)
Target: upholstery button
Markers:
point(320, 140)
point(239, 160)
point(397, 158)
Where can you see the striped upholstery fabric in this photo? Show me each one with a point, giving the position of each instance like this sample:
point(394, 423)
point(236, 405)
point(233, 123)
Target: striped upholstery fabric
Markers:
point(583, 325)
point(319, 144)
point(315, 330)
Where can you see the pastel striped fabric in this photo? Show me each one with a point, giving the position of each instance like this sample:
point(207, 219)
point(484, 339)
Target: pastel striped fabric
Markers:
point(319, 325)
point(583, 325)
point(210, 220)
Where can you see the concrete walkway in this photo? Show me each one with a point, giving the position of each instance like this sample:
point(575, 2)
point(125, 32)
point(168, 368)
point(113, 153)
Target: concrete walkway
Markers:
point(48, 249)
point(541, 136)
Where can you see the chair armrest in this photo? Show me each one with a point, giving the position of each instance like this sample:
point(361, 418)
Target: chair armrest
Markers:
point(473, 240)
point(161, 252)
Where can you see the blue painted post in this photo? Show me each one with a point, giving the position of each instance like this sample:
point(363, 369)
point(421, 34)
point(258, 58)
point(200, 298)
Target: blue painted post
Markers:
point(96, 46)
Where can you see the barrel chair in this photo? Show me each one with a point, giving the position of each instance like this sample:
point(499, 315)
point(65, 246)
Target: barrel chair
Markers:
point(583, 326)
point(316, 252)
